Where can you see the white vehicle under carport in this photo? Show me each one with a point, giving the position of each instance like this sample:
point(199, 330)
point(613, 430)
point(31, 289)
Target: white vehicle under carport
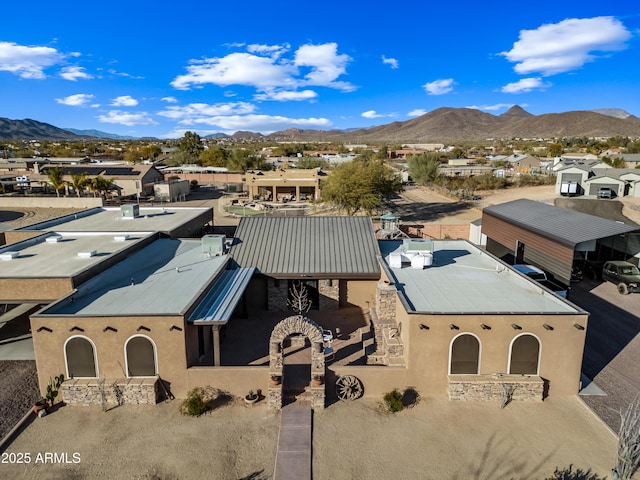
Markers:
point(540, 276)
point(623, 274)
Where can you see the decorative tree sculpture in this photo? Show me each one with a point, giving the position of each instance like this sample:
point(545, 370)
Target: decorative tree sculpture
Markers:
point(299, 300)
point(629, 442)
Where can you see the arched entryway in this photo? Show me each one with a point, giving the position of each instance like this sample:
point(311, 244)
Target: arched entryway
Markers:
point(297, 324)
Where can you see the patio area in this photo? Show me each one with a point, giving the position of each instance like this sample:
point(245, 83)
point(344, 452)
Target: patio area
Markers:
point(246, 341)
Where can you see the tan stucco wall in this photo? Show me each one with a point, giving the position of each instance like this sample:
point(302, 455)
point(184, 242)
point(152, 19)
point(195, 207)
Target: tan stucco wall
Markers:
point(170, 346)
point(34, 289)
point(360, 293)
point(427, 350)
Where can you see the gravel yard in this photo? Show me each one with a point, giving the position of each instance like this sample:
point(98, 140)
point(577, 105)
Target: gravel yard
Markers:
point(18, 393)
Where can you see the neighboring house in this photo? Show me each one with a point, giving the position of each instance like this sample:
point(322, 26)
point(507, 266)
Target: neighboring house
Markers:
point(613, 182)
point(523, 163)
point(144, 316)
point(284, 185)
point(132, 180)
point(631, 160)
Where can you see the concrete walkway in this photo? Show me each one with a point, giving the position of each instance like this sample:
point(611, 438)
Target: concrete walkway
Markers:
point(293, 457)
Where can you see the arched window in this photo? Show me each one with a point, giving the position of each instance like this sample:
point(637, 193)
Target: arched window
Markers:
point(140, 356)
point(465, 354)
point(80, 357)
point(525, 355)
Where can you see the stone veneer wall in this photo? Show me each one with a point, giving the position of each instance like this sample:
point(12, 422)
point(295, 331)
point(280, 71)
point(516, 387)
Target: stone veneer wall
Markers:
point(386, 303)
point(389, 349)
point(277, 294)
point(131, 391)
point(329, 291)
point(490, 387)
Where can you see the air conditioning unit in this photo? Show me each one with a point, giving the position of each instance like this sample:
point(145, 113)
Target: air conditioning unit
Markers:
point(130, 210)
point(213, 245)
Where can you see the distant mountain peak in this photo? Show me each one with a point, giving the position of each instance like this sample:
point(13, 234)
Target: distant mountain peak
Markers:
point(516, 111)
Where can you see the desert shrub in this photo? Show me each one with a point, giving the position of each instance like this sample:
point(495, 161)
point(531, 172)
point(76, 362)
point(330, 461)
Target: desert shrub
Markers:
point(393, 401)
point(194, 404)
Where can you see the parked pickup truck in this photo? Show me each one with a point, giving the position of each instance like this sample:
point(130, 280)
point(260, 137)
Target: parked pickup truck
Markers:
point(623, 274)
point(540, 276)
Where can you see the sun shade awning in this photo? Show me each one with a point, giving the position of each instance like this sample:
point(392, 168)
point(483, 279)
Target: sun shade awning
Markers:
point(222, 298)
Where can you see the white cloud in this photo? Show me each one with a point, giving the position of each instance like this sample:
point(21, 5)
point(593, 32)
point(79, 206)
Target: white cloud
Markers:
point(371, 114)
point(77, 100)
point(261, 123)
point(169, 99)
point(124, 101)
point(418, 112)
point(497, 106)
point(439, 87)
point(197, 111)
point(264, 68)
point(565, 46)
point(285, 96)
point(74, 73)
point(27, 62)
point(125, 118)
point(525, 85)
point(390, 61)
point(326, 65)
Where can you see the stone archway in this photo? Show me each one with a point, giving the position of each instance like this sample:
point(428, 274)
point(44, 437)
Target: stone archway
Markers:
point(296, 324)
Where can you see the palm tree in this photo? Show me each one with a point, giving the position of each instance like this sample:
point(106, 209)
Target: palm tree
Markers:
point(56, 179)
point(79, 181)
point(100, 185)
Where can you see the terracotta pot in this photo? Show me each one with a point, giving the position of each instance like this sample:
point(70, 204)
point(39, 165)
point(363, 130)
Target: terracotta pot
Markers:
point(40, 405)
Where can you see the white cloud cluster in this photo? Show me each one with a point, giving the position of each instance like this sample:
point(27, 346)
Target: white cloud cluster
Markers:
point(561, 47)
point(392, 62)
point(199, 112)
point(77, 100)
point(125, 118)
point(27, 62)
point(267, 69)
point(74, 73)
point(417, 112)
point(124, 101)
point(371, 114)
point(439, 87)
point(526, 85)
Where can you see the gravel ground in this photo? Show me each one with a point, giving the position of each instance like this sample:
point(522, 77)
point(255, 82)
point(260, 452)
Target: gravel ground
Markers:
point(436, 439)
point(18, 393)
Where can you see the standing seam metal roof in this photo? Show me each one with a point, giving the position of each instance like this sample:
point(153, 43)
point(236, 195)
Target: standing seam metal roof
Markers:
point(565, 226)
point(307, 245)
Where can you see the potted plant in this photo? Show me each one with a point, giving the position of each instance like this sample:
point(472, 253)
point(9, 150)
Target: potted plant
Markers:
point(251, 397)
point(53, 388)
point(41, 404)
point(276, 379)
point(317, 379)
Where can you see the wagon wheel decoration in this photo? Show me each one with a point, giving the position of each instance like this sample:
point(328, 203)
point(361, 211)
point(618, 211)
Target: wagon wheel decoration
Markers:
point(349, 387)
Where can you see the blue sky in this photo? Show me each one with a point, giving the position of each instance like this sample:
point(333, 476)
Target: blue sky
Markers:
point(157, 69)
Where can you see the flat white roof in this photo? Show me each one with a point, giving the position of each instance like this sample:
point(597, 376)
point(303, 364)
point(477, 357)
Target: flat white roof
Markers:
point(163, 278)
point(41, 257)
point(150, 219)
point(465, 279)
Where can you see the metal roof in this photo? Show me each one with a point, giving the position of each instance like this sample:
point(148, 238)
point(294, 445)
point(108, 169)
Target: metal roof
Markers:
point(308, 246)
point(222, 298)
point(562, 225)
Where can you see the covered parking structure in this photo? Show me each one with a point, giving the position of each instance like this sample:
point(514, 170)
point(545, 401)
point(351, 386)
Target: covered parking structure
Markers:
point(554, 238)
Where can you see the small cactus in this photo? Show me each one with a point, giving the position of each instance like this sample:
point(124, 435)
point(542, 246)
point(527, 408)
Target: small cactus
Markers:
point(54, 388)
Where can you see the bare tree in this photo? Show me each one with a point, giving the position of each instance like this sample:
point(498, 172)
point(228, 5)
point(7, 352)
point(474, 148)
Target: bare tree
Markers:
point(628, 442)
point(299, 300)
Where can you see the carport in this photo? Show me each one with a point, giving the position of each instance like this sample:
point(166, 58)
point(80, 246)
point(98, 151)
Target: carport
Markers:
point(553, 238)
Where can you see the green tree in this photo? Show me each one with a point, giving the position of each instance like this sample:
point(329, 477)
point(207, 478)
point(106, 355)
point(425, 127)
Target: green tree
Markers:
point(56, 179)
point(191, 144)
point(360, 185)
point(243, 159)
point(214, 156)
point(311, 162)
point(424, 168)
point(555, 150)
point(100, 186)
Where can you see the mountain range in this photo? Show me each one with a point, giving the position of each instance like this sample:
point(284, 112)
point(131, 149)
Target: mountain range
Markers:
point(438, 126)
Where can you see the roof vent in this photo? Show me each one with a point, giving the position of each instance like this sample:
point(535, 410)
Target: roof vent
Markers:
point(213, 245)
point(121, 238)
point(54, 239)
point(86, 253)
point(9, 255)
point(130, 210)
